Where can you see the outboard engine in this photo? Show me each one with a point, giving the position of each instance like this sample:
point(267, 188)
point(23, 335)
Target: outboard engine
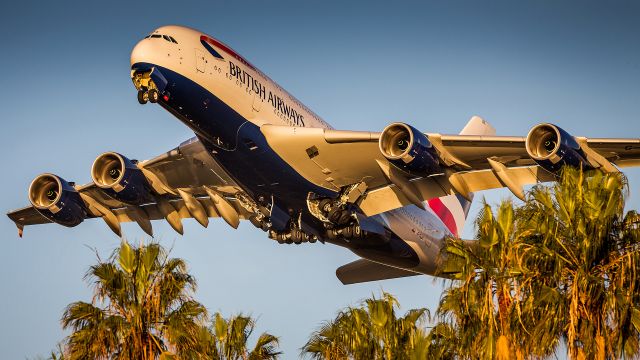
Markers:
point(121, 179)
point(552, 148)
point(57, 200)
point(409, 149)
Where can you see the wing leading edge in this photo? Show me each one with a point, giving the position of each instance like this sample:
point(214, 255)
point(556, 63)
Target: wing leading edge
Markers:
point(187, 184)
point(335, 159)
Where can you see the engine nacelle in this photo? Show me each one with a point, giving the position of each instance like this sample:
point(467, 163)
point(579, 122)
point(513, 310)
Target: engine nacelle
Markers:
point(57, 200)
point(552, 148)
point(121, 179)
point(409, 149)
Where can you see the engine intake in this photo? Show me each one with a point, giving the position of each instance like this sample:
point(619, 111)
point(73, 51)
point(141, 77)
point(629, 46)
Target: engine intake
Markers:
point(121, 179)
point(409, 149)
point(552, 148)
point(57, 200)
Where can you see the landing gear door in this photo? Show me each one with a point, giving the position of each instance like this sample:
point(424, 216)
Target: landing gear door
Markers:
point(200, 60)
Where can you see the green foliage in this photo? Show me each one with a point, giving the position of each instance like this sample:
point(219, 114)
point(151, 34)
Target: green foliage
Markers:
point(371, 331)
point(563, 267)
point(230, 338)
point(142, 309)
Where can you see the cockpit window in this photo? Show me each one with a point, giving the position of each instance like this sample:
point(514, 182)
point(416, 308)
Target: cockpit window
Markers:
point(165, 37)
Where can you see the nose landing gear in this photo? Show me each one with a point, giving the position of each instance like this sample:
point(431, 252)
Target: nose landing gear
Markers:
point(143, 97)
point(147, 89)
point(150, 95)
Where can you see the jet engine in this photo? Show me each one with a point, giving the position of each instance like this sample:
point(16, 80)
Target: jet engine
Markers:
point(409, 149)
point(57, 200)
point(121, 179)
point(552, 148)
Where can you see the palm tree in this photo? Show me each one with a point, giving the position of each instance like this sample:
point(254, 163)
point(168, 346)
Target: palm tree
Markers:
point(478, 310)
point(371, 331)
point(231, 336)
point(142, 309)
point(583, 261)
point(561, 267)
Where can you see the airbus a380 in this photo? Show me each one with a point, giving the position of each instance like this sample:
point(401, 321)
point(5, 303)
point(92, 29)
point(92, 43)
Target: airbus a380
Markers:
point(259, 154)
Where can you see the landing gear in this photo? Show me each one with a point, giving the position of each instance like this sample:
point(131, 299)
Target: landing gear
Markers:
point(340, 214)
point(351, 232)
point(143, 97)
point(147, 89)
point(153, 96)
point(333, 212)
point(293, 236)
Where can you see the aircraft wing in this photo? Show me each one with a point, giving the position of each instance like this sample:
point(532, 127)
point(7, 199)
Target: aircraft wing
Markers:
point(189, 183)
point(335, 159)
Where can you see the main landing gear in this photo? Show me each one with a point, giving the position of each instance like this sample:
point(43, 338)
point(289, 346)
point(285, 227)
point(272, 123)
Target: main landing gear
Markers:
point(339, 214)
point(293, 236)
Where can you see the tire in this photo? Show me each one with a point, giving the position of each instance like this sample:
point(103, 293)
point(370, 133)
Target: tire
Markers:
point(143, 97)
point(347, 232)
point(296, 236)
point(153, 96)
point(345, 216)
point(325, 205)
point(357, 231)
point(334, 215)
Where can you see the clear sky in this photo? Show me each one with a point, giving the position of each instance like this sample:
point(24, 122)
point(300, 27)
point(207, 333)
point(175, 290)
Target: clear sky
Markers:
point(66, 97)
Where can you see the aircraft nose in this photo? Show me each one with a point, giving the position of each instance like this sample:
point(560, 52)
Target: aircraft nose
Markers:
point(142, 52)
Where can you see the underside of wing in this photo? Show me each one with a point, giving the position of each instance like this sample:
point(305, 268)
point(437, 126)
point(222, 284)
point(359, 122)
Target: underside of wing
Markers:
point(401, 165)
point(182, 183)
point(364, 270)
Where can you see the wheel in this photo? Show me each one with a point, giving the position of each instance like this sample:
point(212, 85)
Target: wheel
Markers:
point(334, 215)
point(325, 205)
point(347, 232)
point(344, 218)
point(357, 232)
point(143, 97)
point(296, 236)
point(153, 96)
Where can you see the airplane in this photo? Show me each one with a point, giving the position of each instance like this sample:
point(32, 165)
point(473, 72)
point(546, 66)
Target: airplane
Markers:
point(259, 154)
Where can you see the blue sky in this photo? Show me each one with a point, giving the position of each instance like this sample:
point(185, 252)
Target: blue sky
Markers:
point(66, 97)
